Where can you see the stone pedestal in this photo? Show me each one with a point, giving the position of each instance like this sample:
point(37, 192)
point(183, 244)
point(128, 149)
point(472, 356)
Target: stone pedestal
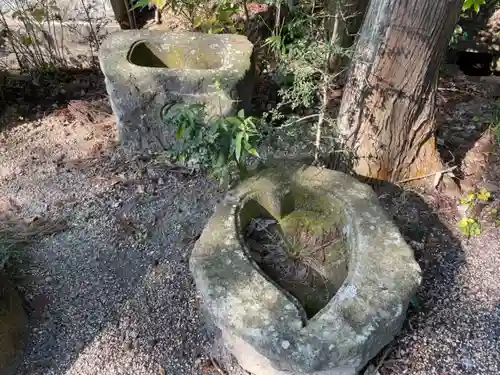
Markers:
point(149, 71)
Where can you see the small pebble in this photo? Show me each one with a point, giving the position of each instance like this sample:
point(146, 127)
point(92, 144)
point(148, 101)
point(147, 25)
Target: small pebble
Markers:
point(127, 345)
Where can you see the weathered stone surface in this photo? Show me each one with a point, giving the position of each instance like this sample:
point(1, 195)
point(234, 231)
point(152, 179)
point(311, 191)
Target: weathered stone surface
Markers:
point(264, 326)
point(13, 328)
point(147, 71)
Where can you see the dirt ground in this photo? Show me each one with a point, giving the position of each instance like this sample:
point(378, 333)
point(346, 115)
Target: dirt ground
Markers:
point(112, 294)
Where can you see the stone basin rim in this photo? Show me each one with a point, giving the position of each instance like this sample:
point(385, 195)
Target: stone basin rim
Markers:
point(117, 47)
point(356, 246)
point(371, 301)
point(145, 41)
point(370, 304)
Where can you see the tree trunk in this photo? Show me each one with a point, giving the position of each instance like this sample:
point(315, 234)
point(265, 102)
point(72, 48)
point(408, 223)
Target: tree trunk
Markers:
point(387, 113)
point(124, 14)
point(345, 17)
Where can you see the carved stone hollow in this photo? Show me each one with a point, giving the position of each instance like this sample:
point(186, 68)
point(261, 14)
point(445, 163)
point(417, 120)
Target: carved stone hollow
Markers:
point(263, 322)
point(147, 72)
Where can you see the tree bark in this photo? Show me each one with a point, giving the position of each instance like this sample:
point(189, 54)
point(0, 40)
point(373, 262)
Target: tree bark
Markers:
point(123, 14)
point(346, 17)
point(388, 107)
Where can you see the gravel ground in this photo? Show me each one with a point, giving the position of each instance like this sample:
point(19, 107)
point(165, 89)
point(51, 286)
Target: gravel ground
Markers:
point(112, 294)
point(456, 327)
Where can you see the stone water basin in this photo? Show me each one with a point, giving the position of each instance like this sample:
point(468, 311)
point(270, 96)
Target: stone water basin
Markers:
point(326, 287)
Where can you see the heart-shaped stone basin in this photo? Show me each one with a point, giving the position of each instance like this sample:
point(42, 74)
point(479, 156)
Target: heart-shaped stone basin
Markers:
point(301, 248)
point(303, 272)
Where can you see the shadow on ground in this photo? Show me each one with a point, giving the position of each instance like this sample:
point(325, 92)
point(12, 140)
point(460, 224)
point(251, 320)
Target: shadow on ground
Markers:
point(452, 326)
point(31, 95)
point(112, 294)
point(130, 306)
point(438, 252)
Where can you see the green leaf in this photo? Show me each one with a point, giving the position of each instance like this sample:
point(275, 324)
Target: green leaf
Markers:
point(214, 128)
point(26, 40)
point(239, 139)
point(221, 159)
point(253, 151)
point(464, 223)
point(469, 226)
point(180, 131)
point(190, 119)
point(197, 22)
point(483, 195)
point(474, 4)
point(224, 124)
point(250, 121)
point(475, 228)
point(468, 199)
point(224, 16)
point(273, 41)
point(475, 119)
point(467, 4)
point(38, 14)
point(234, 121)
point(144, 3)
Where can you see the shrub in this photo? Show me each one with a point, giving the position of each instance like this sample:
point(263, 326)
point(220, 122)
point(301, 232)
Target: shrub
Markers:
point(215, 143)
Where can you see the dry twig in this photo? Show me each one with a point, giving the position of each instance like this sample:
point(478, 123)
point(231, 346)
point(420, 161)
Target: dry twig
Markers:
point(441, 172)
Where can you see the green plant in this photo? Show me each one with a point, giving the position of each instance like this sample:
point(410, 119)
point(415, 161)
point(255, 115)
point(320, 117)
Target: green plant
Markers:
point(495, 125)
point(203, 16)
point(468, 7)
point(215, 143)
point(495, 215)
point(473, 4)
point(458, 35)
point(470, 225)
point(309, 47)
point(220, 19)
point(38, 37)
point(37, 44)
point(471, 199)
